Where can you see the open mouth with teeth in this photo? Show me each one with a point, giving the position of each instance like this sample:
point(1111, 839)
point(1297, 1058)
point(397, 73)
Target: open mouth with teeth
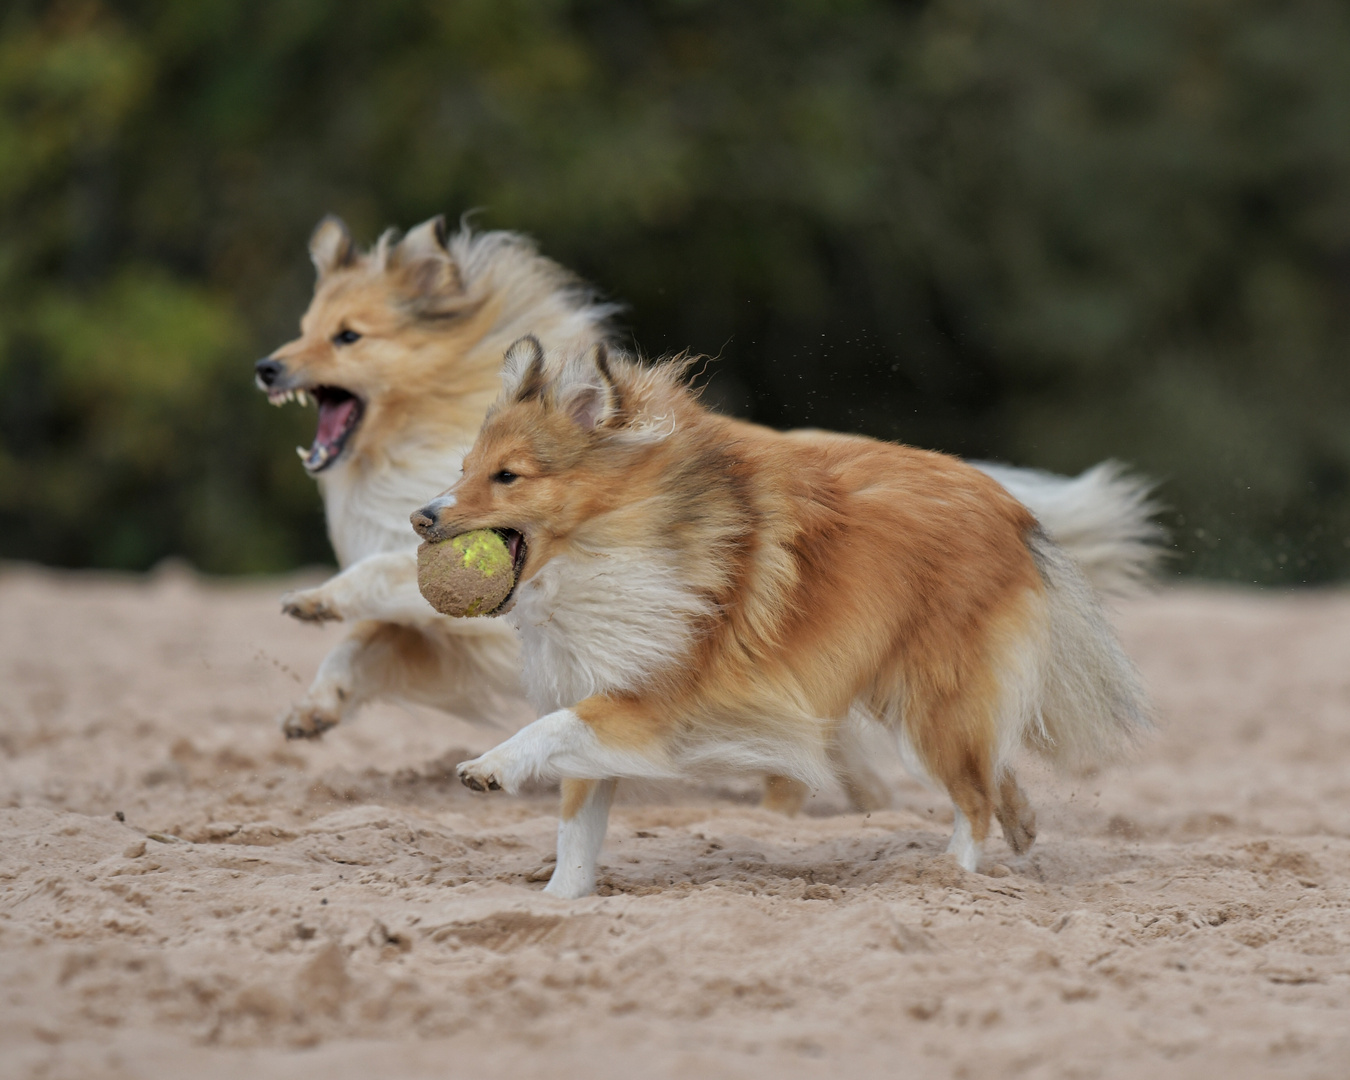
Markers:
point(515, 544)
point(340, 414)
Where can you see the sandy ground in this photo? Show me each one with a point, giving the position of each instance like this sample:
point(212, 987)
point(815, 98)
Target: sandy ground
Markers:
point(182, 893)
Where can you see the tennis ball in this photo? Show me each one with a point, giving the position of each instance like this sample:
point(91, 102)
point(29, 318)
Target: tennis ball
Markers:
point(469, 574)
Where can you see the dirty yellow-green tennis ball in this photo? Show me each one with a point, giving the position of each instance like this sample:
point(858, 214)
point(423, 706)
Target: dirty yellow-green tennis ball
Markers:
point(469, 574)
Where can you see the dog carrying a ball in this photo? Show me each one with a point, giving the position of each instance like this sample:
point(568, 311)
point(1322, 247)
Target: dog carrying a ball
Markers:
point(468, 575)
point(696, 593)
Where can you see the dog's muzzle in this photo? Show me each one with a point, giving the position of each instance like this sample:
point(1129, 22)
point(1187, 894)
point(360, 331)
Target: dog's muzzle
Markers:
point(426, 521)
point(267, 371)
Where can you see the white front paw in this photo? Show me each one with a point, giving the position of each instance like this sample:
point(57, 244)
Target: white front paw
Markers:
point(488, 772)
point(308, 721)
point(311, 605)
point(570, 884)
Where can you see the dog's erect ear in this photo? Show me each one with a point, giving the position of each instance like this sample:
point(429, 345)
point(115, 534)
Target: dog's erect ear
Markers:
point(428, 269)
point(331, 246)
point(585, 389)
point(425, 240)
point(523, 369)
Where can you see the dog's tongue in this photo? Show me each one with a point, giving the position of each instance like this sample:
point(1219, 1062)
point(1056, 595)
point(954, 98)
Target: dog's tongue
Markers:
point(333, 421)
point(335, 418)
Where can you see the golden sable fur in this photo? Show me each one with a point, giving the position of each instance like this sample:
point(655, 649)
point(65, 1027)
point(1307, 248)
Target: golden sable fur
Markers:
point(699, 593)
point(401, 349)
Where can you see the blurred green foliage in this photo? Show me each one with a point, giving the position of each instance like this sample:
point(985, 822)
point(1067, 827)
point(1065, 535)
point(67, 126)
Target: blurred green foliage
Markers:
point(1048, 232)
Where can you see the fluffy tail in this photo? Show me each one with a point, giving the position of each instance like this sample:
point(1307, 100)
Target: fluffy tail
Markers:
point(1103, 518)
point(1092, 704)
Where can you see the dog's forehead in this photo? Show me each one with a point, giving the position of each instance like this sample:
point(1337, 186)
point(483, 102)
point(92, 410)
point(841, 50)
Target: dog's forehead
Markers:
point(350, 294)
point(515, 429)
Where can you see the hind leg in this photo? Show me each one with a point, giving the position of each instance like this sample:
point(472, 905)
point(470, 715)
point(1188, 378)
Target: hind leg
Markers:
point(849, 754)
point(963, 845)
point(973, 812)
point(958, 759)
point(865, 789)
point(784, 795)
point(1015, 815)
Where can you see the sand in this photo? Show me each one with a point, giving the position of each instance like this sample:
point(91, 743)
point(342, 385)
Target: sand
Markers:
point(183, 893)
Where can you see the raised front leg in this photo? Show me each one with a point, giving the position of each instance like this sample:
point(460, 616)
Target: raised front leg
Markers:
point(599, 739)
point(382, 587)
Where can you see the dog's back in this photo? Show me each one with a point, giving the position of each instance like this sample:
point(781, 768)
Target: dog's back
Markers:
point(920, 590)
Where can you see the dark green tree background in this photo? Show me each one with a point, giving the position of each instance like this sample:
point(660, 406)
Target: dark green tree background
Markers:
point(1047, 232)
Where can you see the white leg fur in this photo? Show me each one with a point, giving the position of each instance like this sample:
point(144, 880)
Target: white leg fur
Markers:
point(473, 675)
point(852, 756)
point(557, 745)
point(963, 845)
point(382, 587)
point(331, 696)
point(579, 841)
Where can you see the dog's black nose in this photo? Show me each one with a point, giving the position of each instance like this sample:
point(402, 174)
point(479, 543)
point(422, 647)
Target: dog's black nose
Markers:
point(268, 370)
point(424, 519)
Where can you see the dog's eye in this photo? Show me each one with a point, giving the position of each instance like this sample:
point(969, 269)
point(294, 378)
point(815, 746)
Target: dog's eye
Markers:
point(504, 476)
point(346, 337)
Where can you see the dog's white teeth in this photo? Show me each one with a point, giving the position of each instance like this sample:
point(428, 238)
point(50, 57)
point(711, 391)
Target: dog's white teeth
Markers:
point(315, 458)
point(299, 396)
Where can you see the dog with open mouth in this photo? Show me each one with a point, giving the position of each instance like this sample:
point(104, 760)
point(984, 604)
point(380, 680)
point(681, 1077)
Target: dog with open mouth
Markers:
point(401, 353)
point(698, 594)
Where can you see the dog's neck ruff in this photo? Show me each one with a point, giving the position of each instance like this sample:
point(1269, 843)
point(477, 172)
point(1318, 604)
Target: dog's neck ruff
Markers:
point(593, 623)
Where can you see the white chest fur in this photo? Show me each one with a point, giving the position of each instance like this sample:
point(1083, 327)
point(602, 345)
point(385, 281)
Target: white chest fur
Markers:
point(368, 511)
point(592, 623)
